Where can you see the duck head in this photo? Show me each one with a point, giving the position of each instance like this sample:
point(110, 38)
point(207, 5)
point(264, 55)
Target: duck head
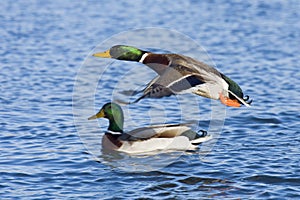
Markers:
point(114, 113)
point(122, 52)
point(237, 91)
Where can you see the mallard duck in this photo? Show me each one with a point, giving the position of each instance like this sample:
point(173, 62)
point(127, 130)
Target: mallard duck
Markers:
point(152, 138)
point(179, 74)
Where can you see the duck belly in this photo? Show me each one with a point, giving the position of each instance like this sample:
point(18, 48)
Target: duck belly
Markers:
point(179, 143)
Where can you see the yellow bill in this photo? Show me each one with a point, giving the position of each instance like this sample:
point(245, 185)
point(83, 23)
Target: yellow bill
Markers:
point(100, 114)
point(105, 54)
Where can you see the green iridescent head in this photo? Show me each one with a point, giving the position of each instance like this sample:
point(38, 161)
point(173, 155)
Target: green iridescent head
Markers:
point(114, 113)
point(233, 86)
point(122, 52)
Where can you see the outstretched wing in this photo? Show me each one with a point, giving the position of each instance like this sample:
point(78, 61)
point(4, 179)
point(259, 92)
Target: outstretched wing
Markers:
point(171, 82)
point(180, 75)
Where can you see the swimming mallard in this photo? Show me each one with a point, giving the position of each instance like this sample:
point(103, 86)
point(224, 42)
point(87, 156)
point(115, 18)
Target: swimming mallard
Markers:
point(181, 74)
point(151, 138)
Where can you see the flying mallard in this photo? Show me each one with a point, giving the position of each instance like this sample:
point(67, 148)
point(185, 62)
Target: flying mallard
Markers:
point(179, 74)
point(146, 139)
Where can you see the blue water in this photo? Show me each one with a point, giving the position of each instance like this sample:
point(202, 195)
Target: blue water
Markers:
point(44, 155)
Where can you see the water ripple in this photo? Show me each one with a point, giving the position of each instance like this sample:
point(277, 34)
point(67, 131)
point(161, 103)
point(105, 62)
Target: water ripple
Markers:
point(267, 179)
point(43, 45)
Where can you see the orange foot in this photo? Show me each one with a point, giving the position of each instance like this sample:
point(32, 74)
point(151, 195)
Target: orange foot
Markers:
point(229, 102)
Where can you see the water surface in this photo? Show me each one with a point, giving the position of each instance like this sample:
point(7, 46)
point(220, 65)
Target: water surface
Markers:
point(43, 46)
